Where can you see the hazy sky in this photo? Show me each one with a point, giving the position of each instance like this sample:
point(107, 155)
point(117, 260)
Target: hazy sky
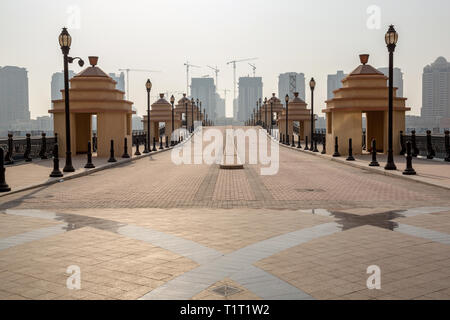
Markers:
point(314, 37)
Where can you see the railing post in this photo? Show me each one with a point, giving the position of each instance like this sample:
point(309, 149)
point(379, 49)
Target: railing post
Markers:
point(447, 146)
point(409, 169)
point(374, 162)
point(28, 149)
point(9, 154)
point(137, 152)
point(43, 152)
point(306, 143)
point(336, 148)
point(125, 148)
point(402, 144)
point(154, 144)
point(415, 150)
point(56, 173)
point(111, 151)
point(3, 186)
point(89, 163)
point(161, 147)
point(324, 142)
point(430, 151)
point(350, 151)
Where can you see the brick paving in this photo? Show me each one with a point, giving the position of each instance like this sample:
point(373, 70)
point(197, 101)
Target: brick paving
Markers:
point(152, 229)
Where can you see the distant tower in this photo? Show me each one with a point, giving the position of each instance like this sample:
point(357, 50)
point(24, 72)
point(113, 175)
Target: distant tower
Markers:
point(250, 90)
point(334, 82)
point(291, 82)
point(398, 79)
point(436, 89)
point(14, 104)
point(57, 84)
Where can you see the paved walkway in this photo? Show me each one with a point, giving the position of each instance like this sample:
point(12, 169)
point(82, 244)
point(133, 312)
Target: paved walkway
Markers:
point(150, 229)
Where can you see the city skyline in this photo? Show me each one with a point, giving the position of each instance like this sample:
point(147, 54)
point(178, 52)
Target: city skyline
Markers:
point(315, 62)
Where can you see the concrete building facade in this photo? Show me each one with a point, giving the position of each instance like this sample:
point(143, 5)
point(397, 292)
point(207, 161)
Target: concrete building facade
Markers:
point(204, 89)
point(436, 89)
point(14, 103)
point(334, 82)
point(289, 83)
point(250, 90)
point(398, 79)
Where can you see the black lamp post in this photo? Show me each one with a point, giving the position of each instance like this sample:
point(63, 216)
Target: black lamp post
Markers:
point(65, 40)
point(204, 113)
point(196, 110)
point(148, 86)
point(265, 114)
point(186, 113)
point(391, 39)
point(192, 114)
point(286, 98)
point(172, 100)
point(271, 113)
point(312, 85)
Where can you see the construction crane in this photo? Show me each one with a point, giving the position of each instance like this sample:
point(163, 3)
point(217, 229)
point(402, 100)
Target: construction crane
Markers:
point(234, 70)
point(216, 71)
point(254, 69)
point(188, 65)
point(128, 78)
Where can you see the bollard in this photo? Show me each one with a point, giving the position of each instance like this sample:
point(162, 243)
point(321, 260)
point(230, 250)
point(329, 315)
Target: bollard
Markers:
point(402, 144)
point(415, 150)
point(3, 186)
point(154, 144)
point(293, 141)
point(374, 162)
point(94, 142)
point(364, 140)
point(125, 148)
point(56, 173)
point(350, 151)
point(324, 141)
point(299, 146)
point(306, 143)
point(89, 163)
point(281, 137)
point(336, 148)
point(430, 151)
point(315, 146)
point(409, 169)
point(137, 152)
point(28, 149)
point(161, 147)
point(9, 154)
point(43, 152)
point(167, 142)
point(287, 140)
point(447, 145)
point(111, 156)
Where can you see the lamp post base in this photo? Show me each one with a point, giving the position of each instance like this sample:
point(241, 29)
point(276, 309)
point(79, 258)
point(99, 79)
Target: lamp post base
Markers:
point(69, 167)
point(390, 166)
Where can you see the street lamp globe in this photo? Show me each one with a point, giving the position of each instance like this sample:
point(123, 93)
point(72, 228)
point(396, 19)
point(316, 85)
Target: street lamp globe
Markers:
point(148, 85)
point(286, 98)
point(312, 84)
point(391, 36)
point(65, 40)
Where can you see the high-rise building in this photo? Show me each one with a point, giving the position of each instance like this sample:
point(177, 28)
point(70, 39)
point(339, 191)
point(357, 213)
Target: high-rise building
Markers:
point(204, 89)
point(57, 84)
point(398, 79)
point(120, 79)
point(14, 104)
point(291, 82)
point(436, 89)
point(220, 107)
point(250, 90)
point(334, 82)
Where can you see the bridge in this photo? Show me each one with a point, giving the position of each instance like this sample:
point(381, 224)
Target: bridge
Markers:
point(146, 227)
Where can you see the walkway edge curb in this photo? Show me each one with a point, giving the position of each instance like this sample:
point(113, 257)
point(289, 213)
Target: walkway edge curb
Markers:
point(84, 173)
point(356, 165)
